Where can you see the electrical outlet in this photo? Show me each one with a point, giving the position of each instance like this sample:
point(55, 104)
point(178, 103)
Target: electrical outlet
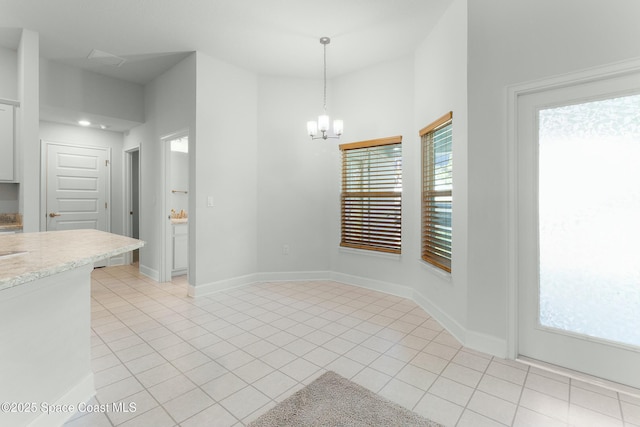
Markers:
point(210, 201)
point(285, 250)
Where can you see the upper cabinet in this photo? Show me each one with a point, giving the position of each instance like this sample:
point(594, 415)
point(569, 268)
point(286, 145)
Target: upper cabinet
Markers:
point(7, 142)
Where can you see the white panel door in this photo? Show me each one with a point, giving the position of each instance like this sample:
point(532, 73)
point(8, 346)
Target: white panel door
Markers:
point(77, 187)
point(578, 181)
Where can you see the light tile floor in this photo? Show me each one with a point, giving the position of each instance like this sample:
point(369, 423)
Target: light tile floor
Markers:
point(225, 359)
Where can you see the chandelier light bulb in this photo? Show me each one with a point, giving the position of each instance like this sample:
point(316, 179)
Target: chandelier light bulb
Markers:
point(338, 127)
point(323, 123)
point(312, 128)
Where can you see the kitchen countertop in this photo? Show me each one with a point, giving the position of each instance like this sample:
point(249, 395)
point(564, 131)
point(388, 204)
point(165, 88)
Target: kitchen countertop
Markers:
point(36, 255)
point(10, 227)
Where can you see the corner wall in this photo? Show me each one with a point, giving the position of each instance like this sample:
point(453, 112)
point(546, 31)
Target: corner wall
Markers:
point(169, 107)
point(440, 87)
point(376, 102)
point(294, 197)
point(224, 168)
point(28, 118)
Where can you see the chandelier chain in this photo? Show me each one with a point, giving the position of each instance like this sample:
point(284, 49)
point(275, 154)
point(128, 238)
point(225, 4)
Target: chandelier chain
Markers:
point(325, 77)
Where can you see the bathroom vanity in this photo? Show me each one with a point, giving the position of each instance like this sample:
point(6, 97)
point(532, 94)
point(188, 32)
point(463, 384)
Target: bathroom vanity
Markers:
point(180, 240)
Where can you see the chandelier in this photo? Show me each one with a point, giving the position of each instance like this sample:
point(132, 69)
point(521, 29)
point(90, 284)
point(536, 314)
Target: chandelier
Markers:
point(322, 124)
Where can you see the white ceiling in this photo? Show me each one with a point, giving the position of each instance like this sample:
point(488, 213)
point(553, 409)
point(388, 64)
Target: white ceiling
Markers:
point(275, 37)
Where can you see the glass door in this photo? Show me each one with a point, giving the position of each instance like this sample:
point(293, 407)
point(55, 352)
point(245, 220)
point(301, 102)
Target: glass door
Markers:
point(579, 228)
point(589, 218)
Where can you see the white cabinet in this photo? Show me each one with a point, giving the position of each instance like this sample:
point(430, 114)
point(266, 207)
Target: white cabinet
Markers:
point(7, 143)
point(180, 248)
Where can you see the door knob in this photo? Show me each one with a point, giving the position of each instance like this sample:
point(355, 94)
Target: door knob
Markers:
point(53, 215)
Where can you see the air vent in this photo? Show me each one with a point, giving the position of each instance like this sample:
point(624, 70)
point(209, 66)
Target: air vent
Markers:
point(106, 58)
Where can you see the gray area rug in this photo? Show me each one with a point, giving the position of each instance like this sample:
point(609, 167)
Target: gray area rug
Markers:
point(332, 400)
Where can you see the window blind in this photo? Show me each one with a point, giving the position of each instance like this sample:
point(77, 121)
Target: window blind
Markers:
point(437, 188)
point(371, 198)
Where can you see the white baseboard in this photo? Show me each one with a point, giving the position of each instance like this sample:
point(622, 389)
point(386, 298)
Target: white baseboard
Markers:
point(81, 392)
point(221, 285)
point(150, 273)
point(487, 344)
point(375, 285)
point(287, 276)
point(448, 322)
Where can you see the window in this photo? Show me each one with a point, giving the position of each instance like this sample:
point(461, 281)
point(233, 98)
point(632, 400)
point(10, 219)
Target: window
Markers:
point(437, 186)
point(371, 199)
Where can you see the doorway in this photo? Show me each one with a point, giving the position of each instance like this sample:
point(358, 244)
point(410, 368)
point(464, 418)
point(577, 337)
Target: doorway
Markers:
point(76, 188)
point(132, 198)
point(176, 205)
point(578, 204)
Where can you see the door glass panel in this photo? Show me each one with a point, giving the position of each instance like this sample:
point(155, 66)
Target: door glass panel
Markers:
point(589, 218)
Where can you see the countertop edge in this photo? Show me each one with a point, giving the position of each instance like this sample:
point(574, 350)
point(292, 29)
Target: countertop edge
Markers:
point(45, 272)
point(10, 227)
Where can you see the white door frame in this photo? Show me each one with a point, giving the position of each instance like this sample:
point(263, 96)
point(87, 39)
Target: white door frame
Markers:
point(128, 201)
point(514, 92)
point(166, 253)
point(44, 144)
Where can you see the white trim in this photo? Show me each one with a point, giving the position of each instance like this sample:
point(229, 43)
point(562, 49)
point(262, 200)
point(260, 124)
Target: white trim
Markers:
point(150, 272)
point(376, 285)
point(44, 144)
point(221, 285)
point(83, 391)
point(487, 344)
point(580, 376)
point(287, 276)
point(514, 92)
point(448, 322)
point(370, 252)
point(127, 196)
point(444, 275)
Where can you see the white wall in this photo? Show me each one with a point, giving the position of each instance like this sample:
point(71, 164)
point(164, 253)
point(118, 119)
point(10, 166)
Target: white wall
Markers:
point(440, 87)
point(509, 43)
point(28, 142)
point(54, 132)
point(169, 108)
point(224, 167)
point(295, 198)
point(75, 89)
point(376, 102)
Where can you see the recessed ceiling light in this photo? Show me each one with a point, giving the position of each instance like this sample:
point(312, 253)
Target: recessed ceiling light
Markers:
point(84, 122)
